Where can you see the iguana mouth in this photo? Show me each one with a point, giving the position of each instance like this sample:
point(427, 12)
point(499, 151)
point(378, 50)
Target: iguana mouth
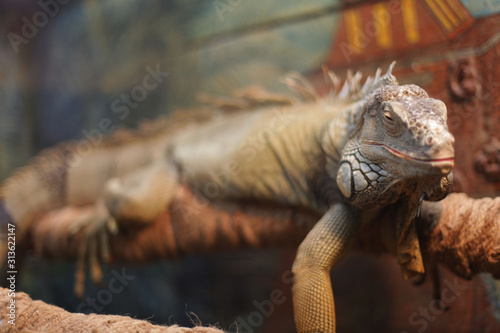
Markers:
point(444, 164)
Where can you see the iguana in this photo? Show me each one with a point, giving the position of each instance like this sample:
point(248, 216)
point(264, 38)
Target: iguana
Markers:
point(346, 156)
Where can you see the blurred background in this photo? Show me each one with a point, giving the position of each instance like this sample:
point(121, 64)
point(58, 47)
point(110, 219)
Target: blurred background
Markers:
point(67, 65)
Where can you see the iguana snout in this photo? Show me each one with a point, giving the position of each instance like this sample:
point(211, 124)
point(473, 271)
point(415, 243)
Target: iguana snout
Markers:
point(440, 152)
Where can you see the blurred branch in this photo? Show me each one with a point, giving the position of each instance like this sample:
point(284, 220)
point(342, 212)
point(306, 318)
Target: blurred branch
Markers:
point(460, 232)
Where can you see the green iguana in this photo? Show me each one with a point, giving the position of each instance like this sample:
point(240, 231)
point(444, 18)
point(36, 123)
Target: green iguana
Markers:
point(346, 156)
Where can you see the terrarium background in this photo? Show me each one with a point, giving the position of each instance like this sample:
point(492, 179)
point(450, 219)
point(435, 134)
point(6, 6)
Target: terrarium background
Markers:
point(65, 78)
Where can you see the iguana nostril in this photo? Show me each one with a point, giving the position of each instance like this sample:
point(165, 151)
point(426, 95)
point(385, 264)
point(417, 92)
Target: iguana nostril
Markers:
point(442, 151)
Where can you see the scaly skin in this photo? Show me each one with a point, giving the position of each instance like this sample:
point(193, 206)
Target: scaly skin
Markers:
point(345, 158)
point(323, 247)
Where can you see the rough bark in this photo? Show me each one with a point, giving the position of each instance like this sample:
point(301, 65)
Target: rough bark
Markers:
point(459, 232)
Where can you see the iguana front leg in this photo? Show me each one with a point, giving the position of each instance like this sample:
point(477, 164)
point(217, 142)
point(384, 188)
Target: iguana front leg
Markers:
point(323, 247)
point(137, 198)
point(142, 195)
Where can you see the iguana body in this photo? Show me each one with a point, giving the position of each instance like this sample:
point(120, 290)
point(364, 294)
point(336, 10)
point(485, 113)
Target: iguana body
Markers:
point(345, 157)
point(261, 155)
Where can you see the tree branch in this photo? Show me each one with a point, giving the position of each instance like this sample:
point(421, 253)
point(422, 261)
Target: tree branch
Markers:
point(460, 232)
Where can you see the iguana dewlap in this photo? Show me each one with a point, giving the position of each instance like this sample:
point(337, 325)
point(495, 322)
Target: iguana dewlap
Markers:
point(346, 156)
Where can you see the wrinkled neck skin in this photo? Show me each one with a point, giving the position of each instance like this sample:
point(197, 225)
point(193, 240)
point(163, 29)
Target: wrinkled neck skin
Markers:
point(333, 138)
point(375, 183)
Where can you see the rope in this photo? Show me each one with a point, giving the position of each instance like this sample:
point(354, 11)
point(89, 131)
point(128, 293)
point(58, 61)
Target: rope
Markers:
point(37, 316)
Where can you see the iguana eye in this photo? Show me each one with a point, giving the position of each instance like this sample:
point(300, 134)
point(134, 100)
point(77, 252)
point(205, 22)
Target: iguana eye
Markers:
point(388, 116)
point(390, 123)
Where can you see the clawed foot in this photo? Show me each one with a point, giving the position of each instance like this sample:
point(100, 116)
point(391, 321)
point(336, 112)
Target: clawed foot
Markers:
point(93, 249)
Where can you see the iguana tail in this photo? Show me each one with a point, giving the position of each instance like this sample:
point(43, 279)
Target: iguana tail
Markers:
point(27, 194)
point(35, 189)
point(41, 186)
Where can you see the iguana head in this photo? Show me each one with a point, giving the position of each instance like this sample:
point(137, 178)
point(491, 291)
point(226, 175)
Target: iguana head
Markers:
point(401, 144)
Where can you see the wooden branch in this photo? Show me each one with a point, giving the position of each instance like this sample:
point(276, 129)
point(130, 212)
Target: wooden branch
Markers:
point(189, 226)
point(463, 234)
point(459, 232)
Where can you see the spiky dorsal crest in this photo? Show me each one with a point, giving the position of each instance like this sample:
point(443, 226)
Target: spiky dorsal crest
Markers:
point(351, 91)
point(250, 98)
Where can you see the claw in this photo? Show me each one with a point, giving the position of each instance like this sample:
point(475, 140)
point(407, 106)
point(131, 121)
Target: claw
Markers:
point(420, 203)
point(95, 264)
point(112, 225)
point(104, 246)
point(81, 269)
point(93, 249)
